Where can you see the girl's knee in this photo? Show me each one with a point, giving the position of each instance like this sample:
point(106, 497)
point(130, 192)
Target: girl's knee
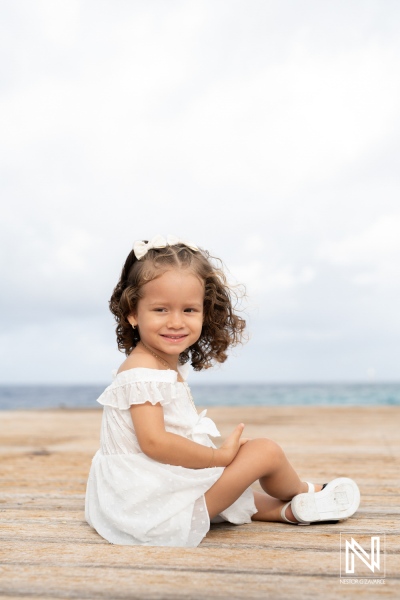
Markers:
point(268, 447)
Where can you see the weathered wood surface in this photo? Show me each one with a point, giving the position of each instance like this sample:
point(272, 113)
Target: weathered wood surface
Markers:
point(48, 551)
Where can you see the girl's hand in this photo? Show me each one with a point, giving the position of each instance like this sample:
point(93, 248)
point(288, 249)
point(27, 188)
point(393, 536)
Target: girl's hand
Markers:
point(227, 452)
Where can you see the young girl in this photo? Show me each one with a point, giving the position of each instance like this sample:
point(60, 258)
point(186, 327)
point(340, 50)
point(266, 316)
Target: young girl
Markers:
point(158, 479)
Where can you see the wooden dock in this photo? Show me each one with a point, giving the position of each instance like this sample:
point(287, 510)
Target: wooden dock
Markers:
point(48, 551)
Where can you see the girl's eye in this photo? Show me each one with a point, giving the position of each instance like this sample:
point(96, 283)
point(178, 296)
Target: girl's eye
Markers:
point(190, 310)
point(160, 309)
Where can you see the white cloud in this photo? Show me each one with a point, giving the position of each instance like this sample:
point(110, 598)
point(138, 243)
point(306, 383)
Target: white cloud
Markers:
point(262, 278)
point(288, 124)
point(266, 132)
point(374, 252)
point(70, 255)
point(60, 20)
point(279, 126)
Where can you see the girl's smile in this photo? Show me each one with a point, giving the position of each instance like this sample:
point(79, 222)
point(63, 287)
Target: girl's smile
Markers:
point(169, 315)
point(173, 338)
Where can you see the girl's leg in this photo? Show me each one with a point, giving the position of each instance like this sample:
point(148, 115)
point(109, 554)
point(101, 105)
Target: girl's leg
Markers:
point(268, 508)
point(264, 460)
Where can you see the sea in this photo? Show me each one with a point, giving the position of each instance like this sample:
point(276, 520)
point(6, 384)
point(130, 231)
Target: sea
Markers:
point(269, 394)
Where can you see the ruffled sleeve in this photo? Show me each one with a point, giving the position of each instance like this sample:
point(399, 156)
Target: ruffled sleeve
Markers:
point(137, 386)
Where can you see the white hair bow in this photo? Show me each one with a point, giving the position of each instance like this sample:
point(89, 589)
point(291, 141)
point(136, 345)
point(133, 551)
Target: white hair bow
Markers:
point(141, 248)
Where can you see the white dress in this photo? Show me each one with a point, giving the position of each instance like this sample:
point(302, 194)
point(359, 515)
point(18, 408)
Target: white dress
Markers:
point(133, 499)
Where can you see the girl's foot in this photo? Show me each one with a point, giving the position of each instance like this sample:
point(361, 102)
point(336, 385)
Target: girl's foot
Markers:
point(287, 509)
point(336, 500)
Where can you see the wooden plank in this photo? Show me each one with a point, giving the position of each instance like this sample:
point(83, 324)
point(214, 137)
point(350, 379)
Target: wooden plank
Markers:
point(48, 551)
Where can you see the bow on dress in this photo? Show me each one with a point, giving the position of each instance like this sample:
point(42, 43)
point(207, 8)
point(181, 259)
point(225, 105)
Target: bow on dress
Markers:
point(205, 425)
point(141, 248)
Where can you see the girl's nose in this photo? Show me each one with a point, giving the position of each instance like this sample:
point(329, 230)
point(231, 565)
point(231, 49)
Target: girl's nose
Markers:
point(175, 320)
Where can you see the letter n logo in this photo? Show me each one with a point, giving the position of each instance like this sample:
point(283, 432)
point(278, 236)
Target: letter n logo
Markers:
point(372, 560)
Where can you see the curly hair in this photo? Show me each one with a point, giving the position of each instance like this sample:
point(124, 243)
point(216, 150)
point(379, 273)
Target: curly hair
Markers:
point(222, 327)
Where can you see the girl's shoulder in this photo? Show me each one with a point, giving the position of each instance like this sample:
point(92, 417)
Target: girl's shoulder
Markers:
point(140, 366)
point(143, 374)
point(139, 385)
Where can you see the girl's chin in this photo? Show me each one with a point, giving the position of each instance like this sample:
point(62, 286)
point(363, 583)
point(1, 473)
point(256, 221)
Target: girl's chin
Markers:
point(173, 349)
point(166, 346)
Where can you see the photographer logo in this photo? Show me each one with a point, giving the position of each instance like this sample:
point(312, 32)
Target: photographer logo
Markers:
point(362, 557)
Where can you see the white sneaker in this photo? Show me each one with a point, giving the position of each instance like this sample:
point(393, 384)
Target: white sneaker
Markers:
point(338, 499)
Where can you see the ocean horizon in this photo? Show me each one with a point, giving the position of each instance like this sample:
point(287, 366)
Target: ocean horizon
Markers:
point(14, 397)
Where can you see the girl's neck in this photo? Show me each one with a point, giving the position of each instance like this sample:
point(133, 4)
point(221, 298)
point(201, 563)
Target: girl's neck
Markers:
point(159, 358)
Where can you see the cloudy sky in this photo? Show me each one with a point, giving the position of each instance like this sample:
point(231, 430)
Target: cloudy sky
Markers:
point(266, 131)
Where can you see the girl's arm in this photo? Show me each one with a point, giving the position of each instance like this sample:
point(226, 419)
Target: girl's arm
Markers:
point(173, 449)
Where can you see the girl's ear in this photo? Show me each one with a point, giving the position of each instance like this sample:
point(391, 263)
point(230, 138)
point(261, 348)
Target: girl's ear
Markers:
point(132, 320)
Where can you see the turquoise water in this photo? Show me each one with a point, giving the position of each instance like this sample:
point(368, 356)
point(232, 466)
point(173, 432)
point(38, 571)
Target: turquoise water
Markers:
point(84, 396)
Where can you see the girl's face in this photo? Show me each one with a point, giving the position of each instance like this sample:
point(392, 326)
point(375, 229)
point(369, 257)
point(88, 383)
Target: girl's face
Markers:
point(169, 316)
